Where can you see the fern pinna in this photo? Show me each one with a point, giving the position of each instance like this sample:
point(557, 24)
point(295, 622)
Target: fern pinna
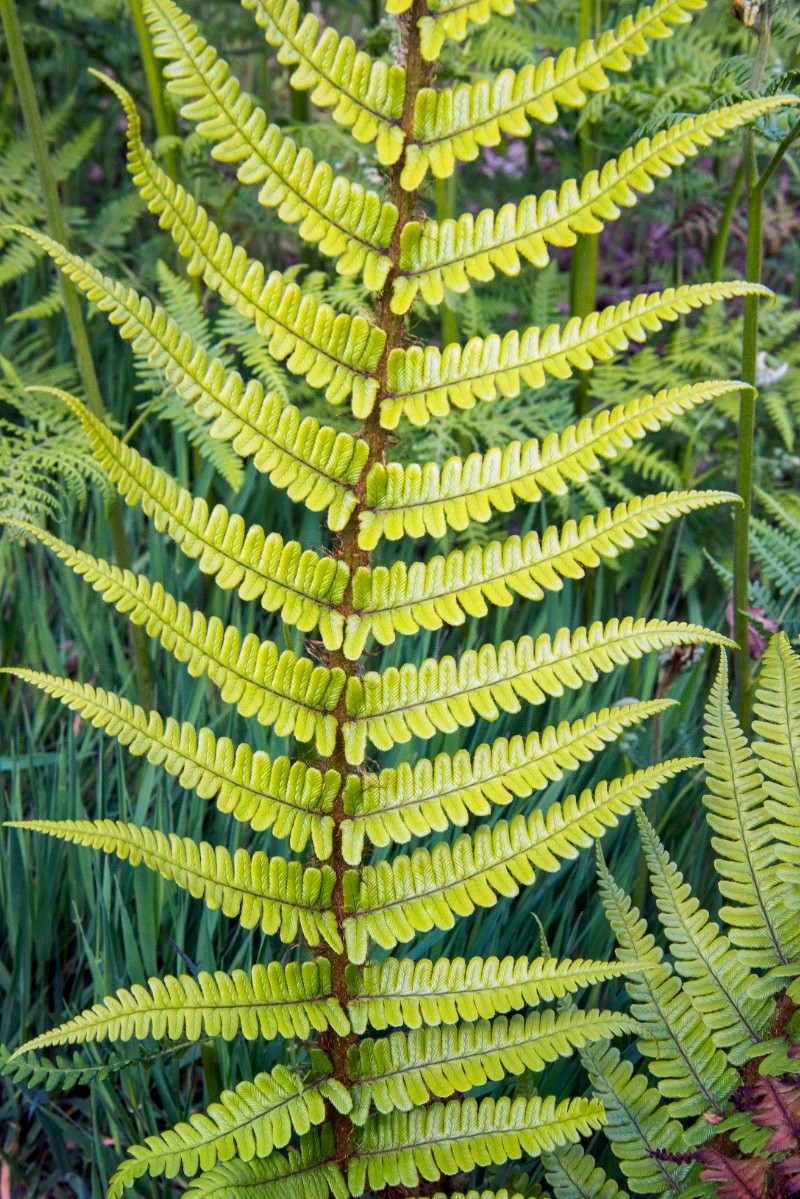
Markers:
point(714, 1109)
point(360, 1112)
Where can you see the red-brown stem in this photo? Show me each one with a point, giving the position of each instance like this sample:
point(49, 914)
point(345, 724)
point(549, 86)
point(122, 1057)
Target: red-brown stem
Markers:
point(349, 551)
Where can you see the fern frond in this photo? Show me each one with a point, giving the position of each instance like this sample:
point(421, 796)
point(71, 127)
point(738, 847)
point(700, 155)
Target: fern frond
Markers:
point(450, 254)
point(347, 222)
point(293, 800)
point(391, 902)
point(366, 95)
point(249, 1121)
point(715, 979)
point(777, 708)
point(401, 1148)
point(414, 800)
point(280, 689)
point(451, 124)
point(307, 1170)
point(693, 1075)
point(757, 920)
point(446, 590)
point(415, 501)
point(425, 382)
point(636, 1123)
point(303, 586)
point(312, 462)
point(407, 1070)
point(443, 695)
point(269, 1001)
point(282, 897)
point(424, 994)
point(333, 351)
point(573, 1174)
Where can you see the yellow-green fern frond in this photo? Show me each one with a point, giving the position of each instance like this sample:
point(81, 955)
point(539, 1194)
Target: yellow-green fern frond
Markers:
point(269, 1001)
point(572, 1173)
point(307, 1170)
point(365, 95)
point(401, 1148)
point(346, 221)
point(636, 1123)
point(443, 695)
point(693, 1075)
point(247, 1122)
point(304, 587)
point(407, 1070)
point(450, 254)
point(451, 124)
point(415, 500)
point(333, 351)
point(282, 897)
point(293, 800)
point(280, 689)
point(756, 918)
point(392, 901)
point(777, 708)
point(312, 462)
point(716, 980)
point(426, 382)
point(412, 801)
point(446, 590)
point(397, 992)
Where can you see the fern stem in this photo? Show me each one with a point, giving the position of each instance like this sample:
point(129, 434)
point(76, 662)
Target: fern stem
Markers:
point(719, 246)
point(34, 125)
point(445, 210)
point(162, 113)
point(417, 74)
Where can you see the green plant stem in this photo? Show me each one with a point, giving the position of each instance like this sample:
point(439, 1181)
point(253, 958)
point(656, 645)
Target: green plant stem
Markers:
point(211, 1073)
point(719, 246)
point(72, 307)
point(299, 99)
point(445, 209)
point(162, 113)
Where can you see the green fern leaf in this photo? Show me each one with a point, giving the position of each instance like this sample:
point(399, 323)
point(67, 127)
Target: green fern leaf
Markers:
point(293, 800)
point(573, 1174)
point(757, 920)
point(715, 979)
point(312, 462)
point(406, 1070)
point(442, 695)
point(304, 587)
point(413, 801)
point(393, 901)
point(450, 254)
point(398, 1149)
point(282, 897)
point(692, 1074)
point(425, 382)
point(270, 1001)
point(415, 501)
point(366, 96)
point(397, 992)
point(451, 124)
point(331, 350)
point(777, 708)
point(451, 19)
point(348, 223)
point(447, 590)
point(249, 1121)
point(279, 689)
point(306, 1171)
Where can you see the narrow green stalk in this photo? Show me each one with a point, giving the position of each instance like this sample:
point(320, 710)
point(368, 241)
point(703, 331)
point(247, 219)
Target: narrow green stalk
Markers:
point(301, 111)
point(162, 113)
point(583, 273)
point(445, 209)
point(72, 307)
point(719, 246)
